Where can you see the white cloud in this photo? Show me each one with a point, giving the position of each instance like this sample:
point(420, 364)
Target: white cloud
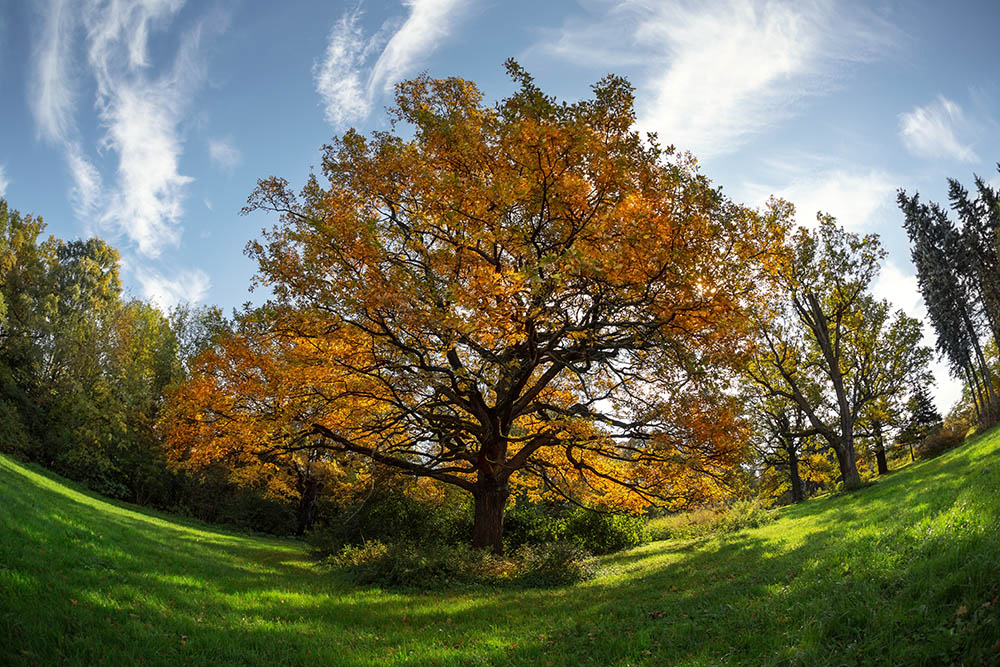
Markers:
point(716, 73)
point(51, 94)
point(347, 91)
point(338, 78)
point(188, 286)
point(87, 191)
point(3, 181)
point(429, 23)
point(857, 197)
point(140, 112)
point(141, 117)
point(929, 131)
point(224, 153)
point(900, 289)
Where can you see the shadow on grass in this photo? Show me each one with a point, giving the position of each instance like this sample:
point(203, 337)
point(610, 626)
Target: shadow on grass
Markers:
point(879, 576)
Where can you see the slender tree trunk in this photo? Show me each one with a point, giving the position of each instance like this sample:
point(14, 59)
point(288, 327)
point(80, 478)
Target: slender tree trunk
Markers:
point(883, 465)
point(973, 391)
point(989, 404)
point(793, 471)
point(490, 500)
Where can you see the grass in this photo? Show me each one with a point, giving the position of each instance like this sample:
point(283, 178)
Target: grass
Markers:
point(906, 571)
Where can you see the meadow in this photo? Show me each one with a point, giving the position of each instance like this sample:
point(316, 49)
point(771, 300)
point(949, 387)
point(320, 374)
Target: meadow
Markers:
point(904, 571)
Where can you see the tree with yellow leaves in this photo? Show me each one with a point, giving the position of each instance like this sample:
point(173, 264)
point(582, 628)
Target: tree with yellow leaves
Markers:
point(521, 295)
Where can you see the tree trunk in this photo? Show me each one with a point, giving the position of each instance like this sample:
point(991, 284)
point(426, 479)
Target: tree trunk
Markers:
point(848, 464)
point(306, 511)
point(973, 391)
point(793, 471)
point(490, 499)
point(883, 465)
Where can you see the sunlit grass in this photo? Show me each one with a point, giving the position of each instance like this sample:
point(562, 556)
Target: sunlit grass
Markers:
point(906, 571)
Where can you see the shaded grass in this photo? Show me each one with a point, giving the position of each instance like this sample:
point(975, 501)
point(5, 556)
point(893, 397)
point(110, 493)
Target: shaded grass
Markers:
point(906, 571)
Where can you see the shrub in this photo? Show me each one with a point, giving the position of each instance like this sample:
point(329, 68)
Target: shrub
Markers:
point(533, 523)
point(391, 516)
point(744, 514)
point(13, 437)
point(940, 441)
point(553, 564)
point(604, 533)
point(436, 566)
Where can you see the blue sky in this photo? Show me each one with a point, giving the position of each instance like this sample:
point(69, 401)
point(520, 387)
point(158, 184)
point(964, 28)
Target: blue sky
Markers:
point(148, 122)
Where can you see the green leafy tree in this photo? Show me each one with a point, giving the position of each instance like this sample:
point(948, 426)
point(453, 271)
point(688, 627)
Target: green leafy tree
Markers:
point(831, 348)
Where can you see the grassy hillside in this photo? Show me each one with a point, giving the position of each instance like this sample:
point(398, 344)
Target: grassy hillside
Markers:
point(904, 572)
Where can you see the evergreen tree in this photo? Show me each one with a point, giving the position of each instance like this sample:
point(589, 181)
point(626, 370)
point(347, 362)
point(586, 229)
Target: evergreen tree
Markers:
point(944, 279)
point(923, 418)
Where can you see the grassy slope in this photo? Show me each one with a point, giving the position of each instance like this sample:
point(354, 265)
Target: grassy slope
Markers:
point(904, 572)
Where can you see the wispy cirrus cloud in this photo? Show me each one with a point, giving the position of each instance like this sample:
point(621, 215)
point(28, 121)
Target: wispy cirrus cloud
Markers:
point(140, 106)
point(3, 181)
point(51, 95)
point(347, 80)
point(338, 77)
point(141, 114)
point(930, 131)
point(714, 74)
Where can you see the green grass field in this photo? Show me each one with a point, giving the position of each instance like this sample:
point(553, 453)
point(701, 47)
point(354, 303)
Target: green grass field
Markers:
point(906, 571)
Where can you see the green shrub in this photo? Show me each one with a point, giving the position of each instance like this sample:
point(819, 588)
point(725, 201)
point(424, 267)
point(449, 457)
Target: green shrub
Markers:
point(940, 441)
point(436, 566)
point(391, 516)
point(13, 437)
point(604, 533)
point(533, 523)
point(553, 564)
point(744, 514)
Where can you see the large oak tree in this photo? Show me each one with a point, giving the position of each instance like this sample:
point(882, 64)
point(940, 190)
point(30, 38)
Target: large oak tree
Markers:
point(526, 293)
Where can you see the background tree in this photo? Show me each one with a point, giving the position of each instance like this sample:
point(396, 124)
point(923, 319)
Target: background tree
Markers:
point(528, 291)
point(979, 219)
point(782, 438)
point(833, 349)
point(947, 283)
point(923, 417)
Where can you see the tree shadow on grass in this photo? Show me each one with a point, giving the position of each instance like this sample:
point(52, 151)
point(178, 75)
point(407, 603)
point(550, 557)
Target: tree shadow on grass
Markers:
point(877, 577)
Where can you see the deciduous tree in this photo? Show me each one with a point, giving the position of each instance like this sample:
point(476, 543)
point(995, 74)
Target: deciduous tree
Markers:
point(834, 350)
point(526, 293)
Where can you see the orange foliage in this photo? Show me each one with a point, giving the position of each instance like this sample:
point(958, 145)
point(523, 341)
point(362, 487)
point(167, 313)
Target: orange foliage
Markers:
point(527, 294)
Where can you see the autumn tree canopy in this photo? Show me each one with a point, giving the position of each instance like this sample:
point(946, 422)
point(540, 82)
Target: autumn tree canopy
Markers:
point(520, 295)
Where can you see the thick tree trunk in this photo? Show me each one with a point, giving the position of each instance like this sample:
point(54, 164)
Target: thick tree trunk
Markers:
point(848, 464)
point(793, 471)
point(490, 500)
point(306, 511)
